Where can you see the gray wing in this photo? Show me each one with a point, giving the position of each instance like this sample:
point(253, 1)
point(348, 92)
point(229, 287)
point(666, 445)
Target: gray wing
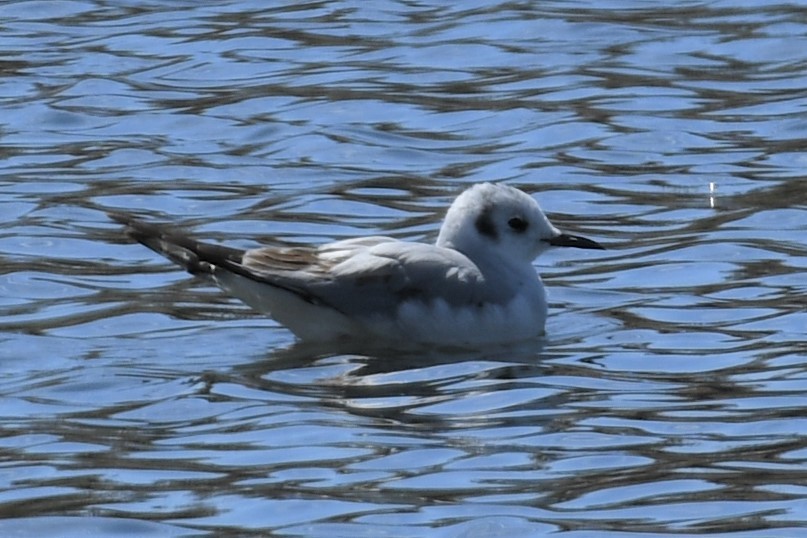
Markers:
point(374, 275)
point(363, 276)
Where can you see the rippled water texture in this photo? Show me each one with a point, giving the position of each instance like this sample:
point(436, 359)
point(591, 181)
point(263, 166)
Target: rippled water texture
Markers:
point(669, 398)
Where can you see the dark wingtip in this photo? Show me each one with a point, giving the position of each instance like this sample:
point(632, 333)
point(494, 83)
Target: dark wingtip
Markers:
point(194, 256)
point(178, 248)
point(135, 228)
point(120, 218)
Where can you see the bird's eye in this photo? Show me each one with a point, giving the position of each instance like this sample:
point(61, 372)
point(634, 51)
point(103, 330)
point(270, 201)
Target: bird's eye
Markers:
point(518, 224)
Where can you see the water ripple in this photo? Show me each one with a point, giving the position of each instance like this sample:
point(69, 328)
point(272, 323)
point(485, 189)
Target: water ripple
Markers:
point(667, 398)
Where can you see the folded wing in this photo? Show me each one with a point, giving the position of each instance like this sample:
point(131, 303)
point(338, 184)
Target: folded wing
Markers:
point(357, 277)
point(372, 275)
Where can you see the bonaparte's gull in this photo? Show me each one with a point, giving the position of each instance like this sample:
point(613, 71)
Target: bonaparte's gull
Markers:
point(476, 285)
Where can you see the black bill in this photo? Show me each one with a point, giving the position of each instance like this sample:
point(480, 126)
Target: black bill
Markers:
point(567, 240)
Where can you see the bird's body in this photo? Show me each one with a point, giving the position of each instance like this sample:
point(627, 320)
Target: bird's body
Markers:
point(476, 285)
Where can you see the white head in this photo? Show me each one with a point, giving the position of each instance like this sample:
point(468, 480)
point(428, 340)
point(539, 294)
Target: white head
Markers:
point(499, 219)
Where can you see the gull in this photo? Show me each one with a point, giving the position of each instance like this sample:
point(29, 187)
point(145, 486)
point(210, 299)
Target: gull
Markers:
point(475, 286)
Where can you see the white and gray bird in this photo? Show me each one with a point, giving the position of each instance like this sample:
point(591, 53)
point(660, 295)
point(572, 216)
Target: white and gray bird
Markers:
point(475, 286)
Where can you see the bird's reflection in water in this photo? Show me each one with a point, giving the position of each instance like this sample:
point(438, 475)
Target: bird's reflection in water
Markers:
point(404, 385)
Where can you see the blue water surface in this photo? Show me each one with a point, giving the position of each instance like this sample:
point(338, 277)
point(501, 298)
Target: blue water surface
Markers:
point(669, 398)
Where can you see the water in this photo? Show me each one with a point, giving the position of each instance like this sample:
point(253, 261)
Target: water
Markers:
point(668, 399)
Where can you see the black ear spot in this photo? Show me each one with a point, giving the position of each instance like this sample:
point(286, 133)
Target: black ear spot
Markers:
point(484, 225)
point(518, 224)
